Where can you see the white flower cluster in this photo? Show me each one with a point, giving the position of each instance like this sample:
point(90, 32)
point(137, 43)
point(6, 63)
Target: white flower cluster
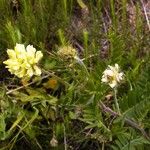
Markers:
point(23, 61)
point(112, 76)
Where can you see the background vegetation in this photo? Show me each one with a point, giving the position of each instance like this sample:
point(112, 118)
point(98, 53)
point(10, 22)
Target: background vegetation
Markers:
point(68, 107)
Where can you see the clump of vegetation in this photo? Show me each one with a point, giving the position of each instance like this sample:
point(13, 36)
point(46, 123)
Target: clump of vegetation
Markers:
point(78, 77)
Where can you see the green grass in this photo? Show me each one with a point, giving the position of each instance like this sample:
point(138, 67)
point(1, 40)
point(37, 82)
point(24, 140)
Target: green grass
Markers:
point(103, 33)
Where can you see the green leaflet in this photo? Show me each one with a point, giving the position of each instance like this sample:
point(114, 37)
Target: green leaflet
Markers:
point(2, 127)
point(124, 143)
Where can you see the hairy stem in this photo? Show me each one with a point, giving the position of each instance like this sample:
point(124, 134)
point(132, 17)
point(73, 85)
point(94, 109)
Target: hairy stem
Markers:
point(116, 101)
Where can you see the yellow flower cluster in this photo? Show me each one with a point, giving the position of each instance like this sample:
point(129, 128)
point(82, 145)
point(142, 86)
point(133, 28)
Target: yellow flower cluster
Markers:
point(67, 52)
point(23, 61)
point(112, 76)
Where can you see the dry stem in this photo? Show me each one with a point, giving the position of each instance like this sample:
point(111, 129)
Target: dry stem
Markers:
point(128, 121)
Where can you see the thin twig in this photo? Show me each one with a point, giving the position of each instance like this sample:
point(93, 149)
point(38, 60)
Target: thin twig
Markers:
point(127, 120)
point(44, 77)
point(89, 132)
point(21, 87)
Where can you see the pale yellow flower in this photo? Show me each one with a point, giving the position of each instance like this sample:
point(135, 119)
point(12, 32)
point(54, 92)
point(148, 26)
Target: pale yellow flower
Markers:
point(23, 61)
point(54, 142)
point(67, 52)
point(112, 76)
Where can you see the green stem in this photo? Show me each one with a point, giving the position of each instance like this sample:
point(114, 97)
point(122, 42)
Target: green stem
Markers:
point(82, 64)
point(85, 69)
point(103, 146)
point(116, 101)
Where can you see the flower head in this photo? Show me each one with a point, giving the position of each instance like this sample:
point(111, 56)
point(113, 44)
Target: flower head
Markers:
point(67, 52)
point(23, 61)
point(112, 76)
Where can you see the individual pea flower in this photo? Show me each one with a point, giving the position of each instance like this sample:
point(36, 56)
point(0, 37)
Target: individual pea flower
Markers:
point(54, 142)
point(67, 52)
point(23, 61)
point(112, 76)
